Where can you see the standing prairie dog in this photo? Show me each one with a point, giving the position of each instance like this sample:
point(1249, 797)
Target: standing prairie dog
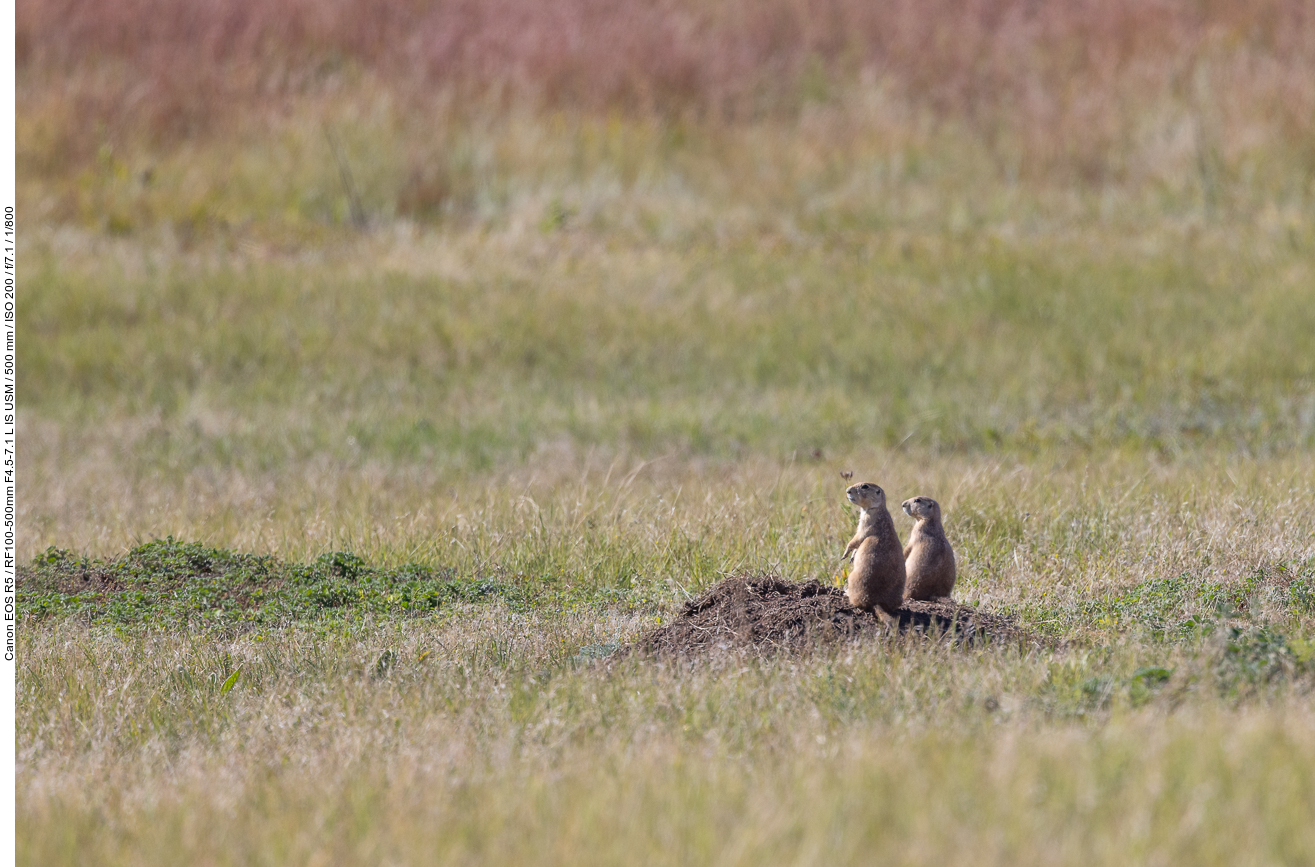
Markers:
point(877, 577)
point(928, 558)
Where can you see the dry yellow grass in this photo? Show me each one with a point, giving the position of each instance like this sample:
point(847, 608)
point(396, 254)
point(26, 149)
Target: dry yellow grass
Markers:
point(475, 746)
point(607, 357)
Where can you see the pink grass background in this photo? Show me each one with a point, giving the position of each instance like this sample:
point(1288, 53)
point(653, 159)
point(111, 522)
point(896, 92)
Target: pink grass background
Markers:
point(1063, 81)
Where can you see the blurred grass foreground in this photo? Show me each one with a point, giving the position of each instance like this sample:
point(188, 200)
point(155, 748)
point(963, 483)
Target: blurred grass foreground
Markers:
point(382, 364)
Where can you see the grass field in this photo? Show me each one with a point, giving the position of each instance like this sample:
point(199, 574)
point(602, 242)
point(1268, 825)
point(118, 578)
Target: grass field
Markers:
point(368, 397)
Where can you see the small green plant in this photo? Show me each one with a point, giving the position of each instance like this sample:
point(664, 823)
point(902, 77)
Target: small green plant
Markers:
point(230, 681)
point(1146, 682)
point(1255, 656)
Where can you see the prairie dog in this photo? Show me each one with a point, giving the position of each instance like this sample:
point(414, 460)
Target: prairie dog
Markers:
point(877, 576)
point(928, 558)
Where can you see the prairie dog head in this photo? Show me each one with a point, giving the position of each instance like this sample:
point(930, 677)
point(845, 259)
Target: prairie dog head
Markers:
point(922, 508)
point(866, 496)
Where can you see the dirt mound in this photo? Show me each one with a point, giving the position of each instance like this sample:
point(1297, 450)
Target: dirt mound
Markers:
point(767, 611)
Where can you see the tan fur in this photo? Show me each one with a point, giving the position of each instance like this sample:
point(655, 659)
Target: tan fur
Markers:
point(877, 576)
point(928, 558)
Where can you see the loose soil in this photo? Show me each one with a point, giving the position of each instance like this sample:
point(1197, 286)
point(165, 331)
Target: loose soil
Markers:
point(766, 611)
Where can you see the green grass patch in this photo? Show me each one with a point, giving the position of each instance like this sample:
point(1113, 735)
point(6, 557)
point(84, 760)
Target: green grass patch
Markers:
point(1184, 605)
point(166, 582)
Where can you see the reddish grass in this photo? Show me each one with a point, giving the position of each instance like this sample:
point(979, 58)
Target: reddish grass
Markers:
point(1063, 82)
